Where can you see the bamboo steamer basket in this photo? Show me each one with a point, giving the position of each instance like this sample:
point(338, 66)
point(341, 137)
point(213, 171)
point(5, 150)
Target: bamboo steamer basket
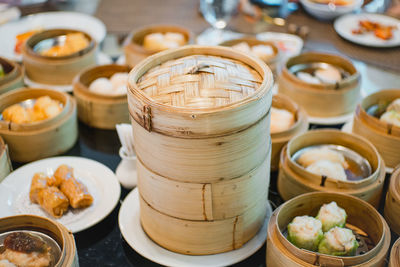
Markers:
point(385, 136)
point(395, 254)
point(280, 139)
point(133, 48)
point(46, 138)
point(273, 61)
point(56, 70)
point(280, 252)
point(202, 237)
point(5, 162)
point(294, 180)
point(64, 238)
point(13, 76)
point(99, 110)
point(392, 204)
point(321, 100)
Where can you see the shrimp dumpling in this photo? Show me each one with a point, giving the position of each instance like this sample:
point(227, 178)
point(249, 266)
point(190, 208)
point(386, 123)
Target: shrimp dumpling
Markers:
point(331, 215)
point(329, 75)
point(305, 232)
point(392, 117)
point(281, 120)
point(338, 242)
point(328, 168)
point(315, 154)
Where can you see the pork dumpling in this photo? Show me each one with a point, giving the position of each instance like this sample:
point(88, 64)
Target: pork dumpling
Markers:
point(306, 77)
point(281, 120)
point(305, 232)
point(395, 105)
point(329, 75)
point(328, 168)
point(338, 242)
point(243, 47)
point(392, 117)
point(175, 37)
point(314, 154)
point(101, 86)
point(331, 215)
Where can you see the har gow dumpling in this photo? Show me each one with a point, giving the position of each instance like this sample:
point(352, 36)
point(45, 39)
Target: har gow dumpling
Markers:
point(306, 77)
point(281, 120)
point(329, 75)
point(101, 85)
point(119, 79)
point(315, 154)
point(328, 168)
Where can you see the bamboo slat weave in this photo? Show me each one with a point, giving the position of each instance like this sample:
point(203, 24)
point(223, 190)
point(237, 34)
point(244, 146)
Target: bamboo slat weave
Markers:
point(200, 81)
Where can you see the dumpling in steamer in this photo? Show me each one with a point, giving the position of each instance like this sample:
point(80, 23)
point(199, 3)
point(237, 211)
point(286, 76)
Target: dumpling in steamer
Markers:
point(331, 215)
point(338, 242)
point(328, 168)
point(305, 232)
point(314, 154)
point(329, 75)
point(392, 117)
point(281, 120)
point(395, 105)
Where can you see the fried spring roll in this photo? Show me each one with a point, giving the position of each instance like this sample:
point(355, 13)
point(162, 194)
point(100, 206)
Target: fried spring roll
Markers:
point(62, 173)
point(39, 182)
point(52, 200)
point(77, 193)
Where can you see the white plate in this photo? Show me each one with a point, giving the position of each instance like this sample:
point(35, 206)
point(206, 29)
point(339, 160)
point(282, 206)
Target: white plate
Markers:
point(345, 24)
point(290, 44)
point(348, 128)
point(100, 181)
point(331, 120)
point(48, 20)
point(131, 229)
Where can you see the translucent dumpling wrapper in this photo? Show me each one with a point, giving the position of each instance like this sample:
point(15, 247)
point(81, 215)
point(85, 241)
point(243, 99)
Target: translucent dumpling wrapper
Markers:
point(264, 52)
point(392, 117)
point(315, 154)
point(331, 215)
point(329, 169)
point(175, 37)
point(101, 86)
point(281, 120)
point(243, 47)
point(395, 105)
point(159, 41)
point(305, 232)
point(338, 242)
point(306, 77)
point(330, 75)
point(119, 79)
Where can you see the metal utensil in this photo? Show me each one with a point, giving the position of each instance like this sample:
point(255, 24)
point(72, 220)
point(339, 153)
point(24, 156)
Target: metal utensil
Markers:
point(55, 249)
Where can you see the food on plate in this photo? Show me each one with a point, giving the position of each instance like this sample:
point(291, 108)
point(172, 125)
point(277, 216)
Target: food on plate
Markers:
point(384, 32)
point(263, 52)
point(160, 41)
point(25, 250)
point(305, 232)
point(315, 154)
point(334, 2)
point(329, 169)
point(74, 42)
point(44, 108)
point(281, 120)
point(21, 38)
point(326, 75)
point(56, 193)
point(116, 85)
point(331, 215)
point(338, 242)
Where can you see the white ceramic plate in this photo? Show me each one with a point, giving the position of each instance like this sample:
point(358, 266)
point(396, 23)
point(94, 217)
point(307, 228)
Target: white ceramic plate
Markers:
point(131, 229)
point(348, 128)
point(345, 24)
point(331, 120)
point(100, 181)
point(48, 20)
point(290, 44)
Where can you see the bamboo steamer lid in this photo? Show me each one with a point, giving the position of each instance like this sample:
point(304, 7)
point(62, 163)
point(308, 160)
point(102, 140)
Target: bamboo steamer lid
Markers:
point(361, 215)
point(321, 100)
point(64, 238)
point(13, 76)
point(100, 110)
point(280, 139)
point(385, 136)
point(395, 254)
point(5, 162)
point(294, 180)
point(392, 204)
point(133, 47)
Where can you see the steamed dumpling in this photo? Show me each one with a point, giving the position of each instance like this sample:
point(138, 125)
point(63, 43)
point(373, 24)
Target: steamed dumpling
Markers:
point(391, 117)
point(338, 242)
point(158, 41)
point(395, 105)
point(119, 79)
point(101, 85)
point(281, 120)
point(175, 37)
point(306, 77)
point(331, 215)
point(305, 232)
point(243, 47)
point(116, 85)
point(328, 168)
point(329, 75)
point(264, 52)
point(315, 154)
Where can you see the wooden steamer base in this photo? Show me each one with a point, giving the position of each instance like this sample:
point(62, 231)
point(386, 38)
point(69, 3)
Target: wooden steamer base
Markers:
point(13, 76)
point(392, 204)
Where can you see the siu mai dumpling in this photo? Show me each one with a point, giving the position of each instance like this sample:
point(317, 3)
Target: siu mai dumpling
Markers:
point(329, 169)
point(315, 154)
point(338, 242)
point(331, 215)
point(305, 232)
point(281, 120)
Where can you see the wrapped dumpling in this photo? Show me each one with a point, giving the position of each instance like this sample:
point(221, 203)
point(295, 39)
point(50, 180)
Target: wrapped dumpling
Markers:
point(329, 169)
point(329, 75)
point(315, 154)
point(392, 117)
point(331, 215)
point(243, 47)
point(338, 242)
point(101, 86)
point(281, 120)
point(308, 78)
point(395, 105)
point(175, 37)
point(263, 52)
point(305, 232)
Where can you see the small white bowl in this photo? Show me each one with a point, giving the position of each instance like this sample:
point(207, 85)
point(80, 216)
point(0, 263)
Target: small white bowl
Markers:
point(329, 12)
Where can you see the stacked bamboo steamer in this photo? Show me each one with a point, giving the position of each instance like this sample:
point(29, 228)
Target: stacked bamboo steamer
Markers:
point(385, 136)
point(5, 162)
point(37, 140)
point(321, 100)
point(100, 110)
point(280, 139)
point(58, 232)
point(395, 254)
point(13, 76)
point(294, 180)
point(361, 215)
point(392, 204)
point(200, 118)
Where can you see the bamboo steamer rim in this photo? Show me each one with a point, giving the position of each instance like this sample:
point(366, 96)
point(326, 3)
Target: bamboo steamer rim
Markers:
point(83, 86)
point(299, 252)
point(360, 183)
point(361, 112)
point(395, 254)
point(135, 38)
point(139, 70)
point(12, 74)
point(251, 41)
point(37, 92)
point(294, 108)
point(323, 89)
point(27, 47)
point(394, 186)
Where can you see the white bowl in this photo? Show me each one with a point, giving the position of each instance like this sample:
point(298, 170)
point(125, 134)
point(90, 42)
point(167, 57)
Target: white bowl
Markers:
point(328, 12)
